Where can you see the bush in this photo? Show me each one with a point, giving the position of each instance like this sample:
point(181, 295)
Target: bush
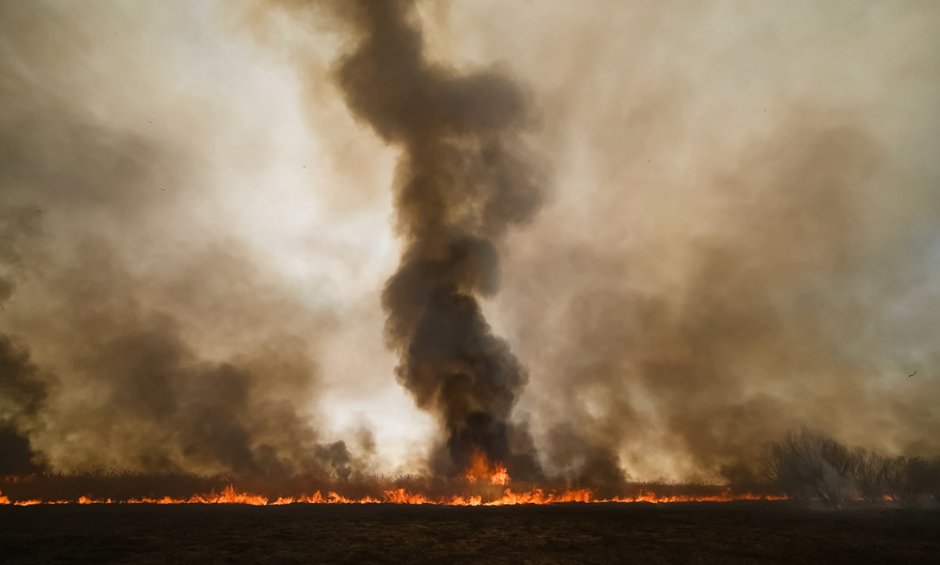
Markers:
point(808, 465)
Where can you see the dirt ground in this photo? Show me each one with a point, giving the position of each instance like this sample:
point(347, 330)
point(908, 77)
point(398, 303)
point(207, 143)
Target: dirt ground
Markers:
point(574, 533)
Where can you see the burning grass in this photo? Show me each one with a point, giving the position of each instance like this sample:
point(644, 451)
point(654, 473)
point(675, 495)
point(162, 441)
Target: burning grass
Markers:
point(802, 466)
point(494, 490)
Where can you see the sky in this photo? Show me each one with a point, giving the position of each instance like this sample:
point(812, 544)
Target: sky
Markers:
point(736, 233)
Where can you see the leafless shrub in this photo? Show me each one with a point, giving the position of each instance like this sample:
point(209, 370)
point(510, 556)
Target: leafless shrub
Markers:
point(808, 465)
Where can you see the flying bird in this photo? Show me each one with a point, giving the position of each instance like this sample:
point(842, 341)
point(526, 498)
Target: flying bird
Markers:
point(912, 374)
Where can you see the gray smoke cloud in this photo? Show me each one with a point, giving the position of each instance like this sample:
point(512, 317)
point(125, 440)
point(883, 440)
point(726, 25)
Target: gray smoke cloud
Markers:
point(738, 235)
point(137, 339)
point(462, 180)
point(749, 250)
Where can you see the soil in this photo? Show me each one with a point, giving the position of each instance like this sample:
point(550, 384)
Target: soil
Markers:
point(764, 532)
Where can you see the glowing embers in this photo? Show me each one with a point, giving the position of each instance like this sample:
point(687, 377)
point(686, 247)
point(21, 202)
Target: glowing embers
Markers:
point(481, 468)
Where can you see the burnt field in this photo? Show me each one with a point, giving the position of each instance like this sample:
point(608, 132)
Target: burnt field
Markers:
point(740, 532)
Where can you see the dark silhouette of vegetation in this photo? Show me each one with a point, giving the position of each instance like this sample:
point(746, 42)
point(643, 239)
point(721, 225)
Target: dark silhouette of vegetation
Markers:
point(810, 466)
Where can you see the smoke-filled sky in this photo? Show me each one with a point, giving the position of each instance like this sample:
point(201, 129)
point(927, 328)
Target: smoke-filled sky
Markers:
point(650, 236)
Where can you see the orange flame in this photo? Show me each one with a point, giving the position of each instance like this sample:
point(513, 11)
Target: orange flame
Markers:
point(482, 468)
point(401, 496)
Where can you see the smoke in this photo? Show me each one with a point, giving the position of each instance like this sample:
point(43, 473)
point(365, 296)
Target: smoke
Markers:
point(22, 396)
point(171, 348)
point(461, 181)
point(748, 250)
point(738, 236)
point(22, 386)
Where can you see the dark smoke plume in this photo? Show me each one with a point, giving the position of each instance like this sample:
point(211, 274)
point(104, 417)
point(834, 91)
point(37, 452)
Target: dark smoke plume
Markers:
point(460, 183)
point(743, 239)
point(22, 395)
point(22, 386)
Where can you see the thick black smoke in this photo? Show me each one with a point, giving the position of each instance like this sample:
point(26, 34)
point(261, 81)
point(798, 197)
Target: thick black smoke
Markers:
point(22, 396)
point(22, 386)
point(460, 183)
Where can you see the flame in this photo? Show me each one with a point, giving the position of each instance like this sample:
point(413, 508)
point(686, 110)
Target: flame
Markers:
point(401, 496)
point(727, 496)
point(481, 467)
point(500, 476)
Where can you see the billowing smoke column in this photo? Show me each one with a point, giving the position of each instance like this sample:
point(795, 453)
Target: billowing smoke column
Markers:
point(460, 184)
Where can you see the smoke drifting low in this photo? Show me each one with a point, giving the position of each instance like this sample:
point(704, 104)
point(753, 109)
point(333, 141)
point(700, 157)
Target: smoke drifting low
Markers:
point(197, 247)
point(748, 250)
point(751, 337)
point(136, 338)
point(24, 394)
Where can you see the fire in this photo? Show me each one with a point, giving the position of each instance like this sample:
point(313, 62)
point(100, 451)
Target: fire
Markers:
point(727, 496)
point(500, 476)
point(482, 468)
point(230, 495)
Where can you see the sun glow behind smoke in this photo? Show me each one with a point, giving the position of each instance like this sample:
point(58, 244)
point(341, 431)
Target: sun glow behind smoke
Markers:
point(307, 216)
point(739, 206)
point(269, 182)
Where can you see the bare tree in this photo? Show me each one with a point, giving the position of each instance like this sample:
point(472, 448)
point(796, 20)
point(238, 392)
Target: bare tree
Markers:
point(808, 465)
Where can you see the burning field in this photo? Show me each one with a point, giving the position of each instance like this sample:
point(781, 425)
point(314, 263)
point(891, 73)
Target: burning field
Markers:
point(396, 280)
point(491, 489)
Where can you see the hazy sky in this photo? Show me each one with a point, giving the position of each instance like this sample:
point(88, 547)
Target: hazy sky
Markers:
point(740, 230)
